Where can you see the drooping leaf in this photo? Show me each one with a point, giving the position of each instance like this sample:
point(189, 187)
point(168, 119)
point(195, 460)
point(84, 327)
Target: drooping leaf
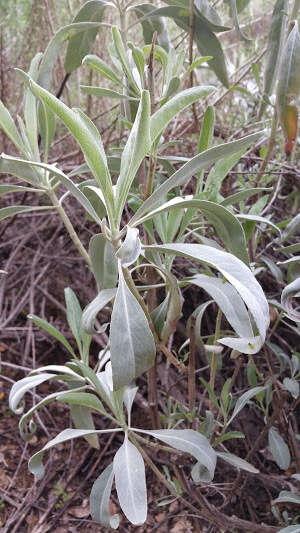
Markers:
point(22, 386)
point(93, 308)
point(288, 88)
point(279, 449)
point(292, 290)
point(80, 45)
point(188, 441)
point(234, 270)
point(129, 471)
point(35, 462)
point(99, 499)
point(286, 496)
point(132, 352)
point(130, 249)
point(234, 11)
point(209, 15)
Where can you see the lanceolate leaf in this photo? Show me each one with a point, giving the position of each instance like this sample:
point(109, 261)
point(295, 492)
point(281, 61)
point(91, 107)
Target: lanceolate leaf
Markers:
point(233, 6)
point(209, 15)
point(279, 449)
point(30, 109)
point(129, 470)
point(130, 249)
point(132, 351)
point(99, 499)
point(41, 323)
point(35, 462)
point(85, 133)
point(109, 93)
point(82, 419)
point(137, 146)
point(243, 400)
point(288, 88)
point(14, 210)
point(188, 441)
point(8, 126)
point(11, 165)
point(274, 48)
point(79, 45)
point(164, 115)
point(97, 64)
point(199, 162)
point(234, 270)
point(237, 462)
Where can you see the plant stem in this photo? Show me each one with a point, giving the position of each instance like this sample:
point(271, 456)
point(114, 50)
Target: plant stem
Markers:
point(69, 226)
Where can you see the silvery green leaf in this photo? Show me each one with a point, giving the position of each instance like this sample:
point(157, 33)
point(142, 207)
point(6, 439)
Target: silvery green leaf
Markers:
point(108, 93)
point(197, 163)
point(274, 48)
point(292, 290)
point(123, 58)
point(291, 228)
point(234, 270)
point(136, 148)
point(246, 345)
point(85, 133)
point(279, 449)
point(244, 399)
point(200, 474)
point(229, 301)
point(188, 441)
point(97, 64)
point(219, 172)
point(90, 312)
point(132, 352)
point(99, 499)
point(292, 386)
point(286, 496)
point(129, 471)
point(233, 6)
point(104, 264)
point(169, 110)
point(30, 109)
point(22, 386)
point(255, 218)
point(130, 249)
point(8, 126)
point(296, 476)
point(57, 369)
point(35, 462)
point(6, 189)
point(80, 44)
point(243, 195)
point(237, 462)
point(41, 323)
point(74, 314)
point(11, 211)
point(209, 15)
